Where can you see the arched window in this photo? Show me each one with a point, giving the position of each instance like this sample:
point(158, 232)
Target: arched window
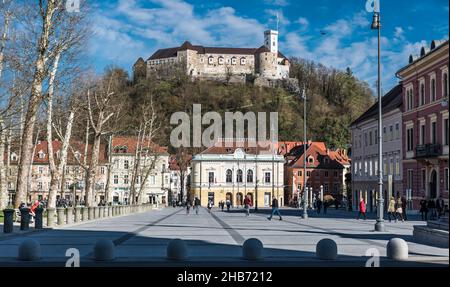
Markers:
point(239, 176)
point(229, 176)
point(250, 175)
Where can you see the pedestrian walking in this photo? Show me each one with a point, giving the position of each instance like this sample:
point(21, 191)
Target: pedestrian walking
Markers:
point(399, 209)
point(432, 209)
point(210, 204)
point(188, 207)
point(275, 209)
point(196, 205)
point(362, 209)
point(424, 209)
point(247, 204)
point(325, 207)
point(404, 206)
point(439, 207)
point(391, 209)
point(319, 205)
point(228, 205)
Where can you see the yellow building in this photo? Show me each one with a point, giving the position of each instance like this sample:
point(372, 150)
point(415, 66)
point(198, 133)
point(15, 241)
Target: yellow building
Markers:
point(223, 173)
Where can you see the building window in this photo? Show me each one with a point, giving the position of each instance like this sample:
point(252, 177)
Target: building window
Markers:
point(325, 187)
point(445, 132)
point(229, 176)
point(397, 166)
point(221, 60)
point(102, 170)
point(126, 164)
point(210, 177)
point(445, 85)
point(125, 179)
point(152, 179)
point(397, 130)
point(365, 139)
point(250, 176)
point(39, 185)
point(211, 60)
point(409, 99)
point(376, 137)
point(299, 173)
point(409, 179)
point(41, 170)
point(384, 134)
point(233, 61)
point(422, 94)
point(67, 170)
point(243, 61)
point(116, 179)
point(267, 177)
point(326, 173)
point(433, 133)
point(433, 89)
point(422, 134)
point(410, 139)
point(308, 173)
point(446, 179)
point(336, 188)
point(423, 178)
point(239, 175)
point(336, 174)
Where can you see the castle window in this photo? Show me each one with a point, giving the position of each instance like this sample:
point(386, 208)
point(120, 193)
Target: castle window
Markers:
point(211, 60)
point(233, 61)
point(221, 60)
point(243, 61)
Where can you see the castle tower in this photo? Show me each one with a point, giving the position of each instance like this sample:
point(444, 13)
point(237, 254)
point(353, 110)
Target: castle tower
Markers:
point(271, 40)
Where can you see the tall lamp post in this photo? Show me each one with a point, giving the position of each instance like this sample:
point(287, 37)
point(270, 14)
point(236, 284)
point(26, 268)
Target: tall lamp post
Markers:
point(376, 25)
point(305, 190)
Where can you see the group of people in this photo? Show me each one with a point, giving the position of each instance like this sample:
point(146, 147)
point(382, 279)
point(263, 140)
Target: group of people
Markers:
point(397, 209)
point(195, 204)
point(434, 207)
point(226, 203)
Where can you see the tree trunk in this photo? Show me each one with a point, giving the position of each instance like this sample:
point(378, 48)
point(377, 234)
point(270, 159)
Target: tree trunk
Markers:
point(92, 171)
point(3, 170)
point(33, 105)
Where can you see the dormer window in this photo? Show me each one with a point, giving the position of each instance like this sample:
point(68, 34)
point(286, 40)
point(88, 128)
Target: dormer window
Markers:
point(211, 60)
point(233, 61)
point(243, 61)
point(221, 60)
point(41, 154)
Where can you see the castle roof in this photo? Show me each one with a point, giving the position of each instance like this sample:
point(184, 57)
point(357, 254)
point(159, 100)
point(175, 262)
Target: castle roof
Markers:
point(172, 52)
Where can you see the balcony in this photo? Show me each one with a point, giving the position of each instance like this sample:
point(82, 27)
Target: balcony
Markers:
point(428, 151)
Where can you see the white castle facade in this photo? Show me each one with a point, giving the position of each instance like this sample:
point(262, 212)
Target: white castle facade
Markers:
point(265, 63)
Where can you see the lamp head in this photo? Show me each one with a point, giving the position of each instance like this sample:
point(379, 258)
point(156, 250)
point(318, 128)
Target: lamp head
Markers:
point(376, 21)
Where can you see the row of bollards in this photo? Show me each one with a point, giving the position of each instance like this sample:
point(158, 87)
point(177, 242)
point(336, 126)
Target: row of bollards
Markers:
point(67, 215)
point(177, 249)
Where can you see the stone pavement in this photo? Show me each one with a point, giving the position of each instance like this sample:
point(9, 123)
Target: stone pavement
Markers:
point(216, 239)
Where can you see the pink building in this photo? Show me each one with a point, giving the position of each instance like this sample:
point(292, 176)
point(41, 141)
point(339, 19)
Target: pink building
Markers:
point(425, 124)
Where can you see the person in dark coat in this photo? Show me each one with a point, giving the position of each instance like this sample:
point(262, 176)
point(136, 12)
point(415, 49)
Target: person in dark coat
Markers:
point(432, 208)
point(319, 205)
point(439, 206)
point(275, 209)
point(404, 205)
point(423, 209)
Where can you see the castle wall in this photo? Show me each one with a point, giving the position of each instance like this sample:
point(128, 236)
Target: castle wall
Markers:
point(208, 65)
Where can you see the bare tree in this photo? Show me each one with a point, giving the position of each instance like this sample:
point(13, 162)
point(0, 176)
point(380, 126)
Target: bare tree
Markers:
point(147, 152)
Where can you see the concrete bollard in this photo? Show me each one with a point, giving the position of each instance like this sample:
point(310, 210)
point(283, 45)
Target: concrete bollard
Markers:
point(77, 214)
point(252, 249)
point(326, 249)
point(60, 212)
point(177, 250)
point(29, 250)
point(91, 213)
point(104, 250)
point(95, 212)
point(85, 213)
point(25, 218)
point(109, 212)
point(113, 211)
point(8, 220)
point(69, 215)
point(397, 249)
point(50, 217)
point(38, 218)
point(100, 212)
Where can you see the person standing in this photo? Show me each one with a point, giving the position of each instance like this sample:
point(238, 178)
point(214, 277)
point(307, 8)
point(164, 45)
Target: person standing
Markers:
point(196, 205)
point(439, 207)
point(432, 208)
point(362, 209)
point(391, 209)
point(228, 205)
point(188, 206)
point(325, 207)
point(319, 205)
point(404, 206)
point(399, 209)
point(247, 204)
point(275, 209)
point(424, 209)
point(210, 204)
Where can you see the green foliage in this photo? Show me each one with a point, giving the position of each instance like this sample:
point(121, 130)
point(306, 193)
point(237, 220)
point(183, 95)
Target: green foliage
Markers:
point(334, 98)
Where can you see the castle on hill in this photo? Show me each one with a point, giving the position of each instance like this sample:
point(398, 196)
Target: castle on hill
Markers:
point(265, 65)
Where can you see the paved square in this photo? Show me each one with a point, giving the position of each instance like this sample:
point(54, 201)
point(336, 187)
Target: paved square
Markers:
point(216, 239)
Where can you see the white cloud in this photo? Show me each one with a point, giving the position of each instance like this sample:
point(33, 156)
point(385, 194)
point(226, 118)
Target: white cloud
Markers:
point(277, 2)
point(304, 23)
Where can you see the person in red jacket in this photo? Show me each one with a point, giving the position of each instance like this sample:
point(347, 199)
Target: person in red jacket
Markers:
point(362, 209)
point(247, 204)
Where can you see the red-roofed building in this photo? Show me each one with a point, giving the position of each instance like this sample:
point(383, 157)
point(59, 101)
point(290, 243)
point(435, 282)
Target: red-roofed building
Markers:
point(325, 170)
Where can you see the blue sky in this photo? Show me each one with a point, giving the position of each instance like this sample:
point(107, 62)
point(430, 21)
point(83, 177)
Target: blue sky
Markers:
point(127, 29)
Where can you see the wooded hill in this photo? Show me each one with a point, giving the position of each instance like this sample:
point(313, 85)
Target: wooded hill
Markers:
point(335, 99)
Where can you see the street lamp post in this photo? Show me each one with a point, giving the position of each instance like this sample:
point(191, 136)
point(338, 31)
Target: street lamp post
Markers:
point(305, 190)
point(379, 225)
